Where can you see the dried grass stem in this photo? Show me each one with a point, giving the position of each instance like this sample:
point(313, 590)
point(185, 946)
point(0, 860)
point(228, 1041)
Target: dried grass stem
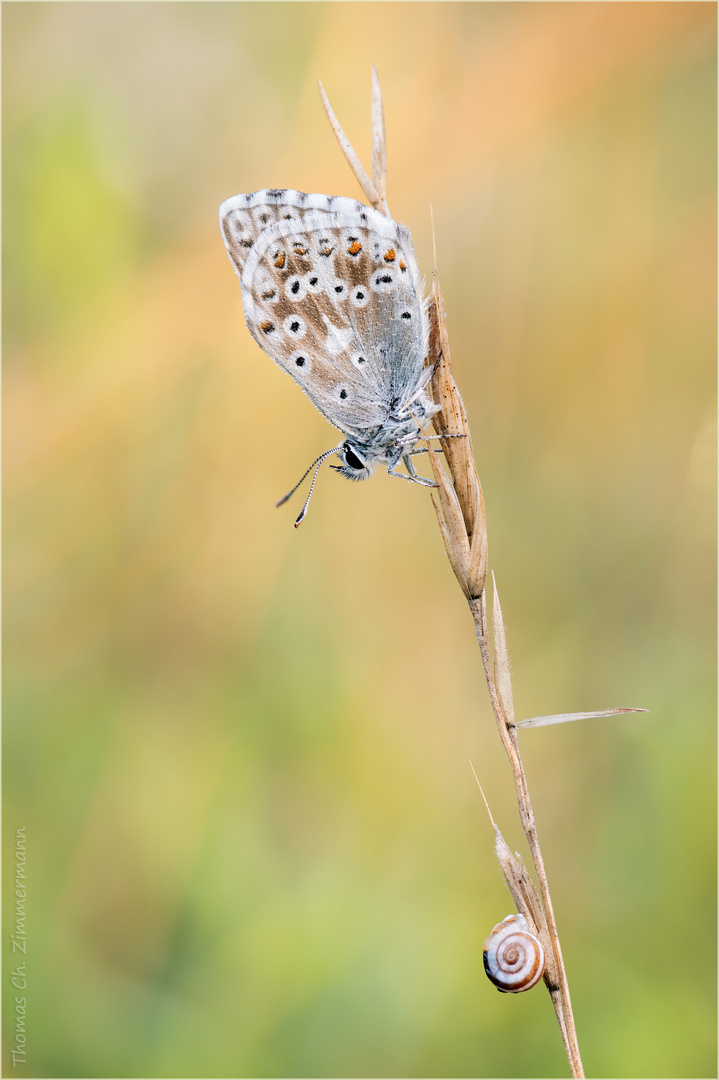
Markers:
point(461, 518)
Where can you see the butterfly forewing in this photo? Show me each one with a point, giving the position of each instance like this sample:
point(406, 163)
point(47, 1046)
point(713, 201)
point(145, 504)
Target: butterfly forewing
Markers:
point(331, 292)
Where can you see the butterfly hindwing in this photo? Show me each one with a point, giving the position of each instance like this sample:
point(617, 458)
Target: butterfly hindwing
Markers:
point(331, 292)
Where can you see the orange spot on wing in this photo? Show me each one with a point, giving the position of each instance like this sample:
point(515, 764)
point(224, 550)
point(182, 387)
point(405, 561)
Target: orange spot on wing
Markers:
point(267, 327)
point(280, 260)
point(300, 251)
point(390, 256)
point(354, 248)
point(402, 266)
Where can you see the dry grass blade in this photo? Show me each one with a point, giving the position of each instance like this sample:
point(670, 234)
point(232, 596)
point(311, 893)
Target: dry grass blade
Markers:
point(446, 539)
point(452, 419)
point(463, 527)
point(379, 143)
point(502, 674)
point(567, 717)
point(354, 162)
point(523, 892)
point(478, 552)
point(452, 525)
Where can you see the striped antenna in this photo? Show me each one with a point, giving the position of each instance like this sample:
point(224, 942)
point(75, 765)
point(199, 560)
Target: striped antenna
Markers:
point(316, 466)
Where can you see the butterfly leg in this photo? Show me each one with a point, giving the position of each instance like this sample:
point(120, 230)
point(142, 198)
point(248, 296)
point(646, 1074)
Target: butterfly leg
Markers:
point(397, 475)
point(413, 476)
point(409, 466)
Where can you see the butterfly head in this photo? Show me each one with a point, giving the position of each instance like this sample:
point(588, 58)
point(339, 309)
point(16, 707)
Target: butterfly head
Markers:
point(355, 464)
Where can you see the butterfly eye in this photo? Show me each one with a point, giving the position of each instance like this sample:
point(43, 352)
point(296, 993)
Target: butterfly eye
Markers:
point(352, 459)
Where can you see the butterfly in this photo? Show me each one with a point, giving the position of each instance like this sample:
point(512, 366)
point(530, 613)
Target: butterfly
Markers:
point(331, 292)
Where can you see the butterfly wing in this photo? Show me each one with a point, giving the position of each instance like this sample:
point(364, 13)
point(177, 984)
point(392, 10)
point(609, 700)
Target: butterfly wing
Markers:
point(331, 292)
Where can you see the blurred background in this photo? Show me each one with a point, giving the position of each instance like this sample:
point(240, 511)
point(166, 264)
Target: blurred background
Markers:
point(241, 752)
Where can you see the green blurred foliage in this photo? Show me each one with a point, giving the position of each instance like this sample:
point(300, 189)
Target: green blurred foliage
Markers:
point(240, 752)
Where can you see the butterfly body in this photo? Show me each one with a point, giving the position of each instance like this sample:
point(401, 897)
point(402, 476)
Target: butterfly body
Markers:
point(331, 292)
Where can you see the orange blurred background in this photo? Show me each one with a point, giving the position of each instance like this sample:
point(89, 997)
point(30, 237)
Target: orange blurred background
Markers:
point(240, 752)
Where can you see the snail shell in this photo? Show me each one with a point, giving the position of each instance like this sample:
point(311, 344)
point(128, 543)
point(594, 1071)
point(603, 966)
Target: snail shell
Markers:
point(513, 956)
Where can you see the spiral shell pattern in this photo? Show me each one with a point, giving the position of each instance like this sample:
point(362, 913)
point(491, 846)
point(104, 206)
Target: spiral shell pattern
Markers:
point(513, 956)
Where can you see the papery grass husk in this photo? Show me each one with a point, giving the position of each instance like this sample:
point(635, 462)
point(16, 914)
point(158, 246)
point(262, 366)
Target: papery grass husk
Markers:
point(462, 522)
point(459, 507)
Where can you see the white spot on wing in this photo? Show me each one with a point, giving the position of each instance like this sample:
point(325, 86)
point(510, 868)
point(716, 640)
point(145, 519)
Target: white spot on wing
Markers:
point(338, 337)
